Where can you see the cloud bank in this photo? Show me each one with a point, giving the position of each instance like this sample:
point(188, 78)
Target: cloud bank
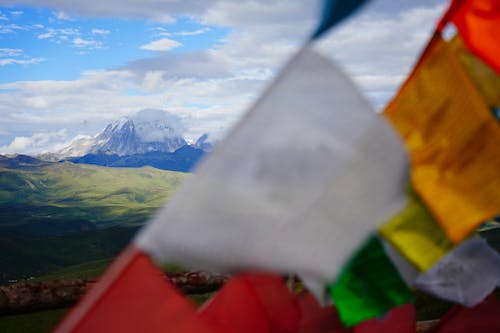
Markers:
point(207, 89)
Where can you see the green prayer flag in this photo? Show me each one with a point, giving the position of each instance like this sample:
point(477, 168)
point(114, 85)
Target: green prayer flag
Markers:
point(369, 285)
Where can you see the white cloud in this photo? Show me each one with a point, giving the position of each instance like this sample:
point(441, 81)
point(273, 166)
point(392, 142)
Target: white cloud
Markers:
point(153, 81)
point(86, 43)
point(161, 11)
point(164, 44)
point(16, 13)
point(3, 17)
point(10, 56)
point(35, 143)
point(74, 37)
point(100, 31)
point(193, 32)
point(200, 65)
point(185, 33)
point(210, 89)
point(8, 52)
point(12, 61)
point(10, 28)
point(61, 15)
point(59, 35)
point(49, 34)
point(162, 18)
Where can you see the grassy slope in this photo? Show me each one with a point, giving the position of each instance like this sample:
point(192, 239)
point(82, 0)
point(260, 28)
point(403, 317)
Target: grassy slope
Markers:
point(25, 256)
point(55, 216)
point(93, 269)
point(37, 322)
point(78, 192)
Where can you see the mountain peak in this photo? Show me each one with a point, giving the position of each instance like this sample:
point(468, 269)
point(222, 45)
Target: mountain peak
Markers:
point(145, 131)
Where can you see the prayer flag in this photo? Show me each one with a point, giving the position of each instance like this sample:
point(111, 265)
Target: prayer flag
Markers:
point(483, 318)
point(318, 319)
point(416, 235)
point(478, 22)
point(466, 275)
point(401, 319)
point(485, 79)
point(253, 303)
point(368, 286)
point(133, 296)
point(453, 141)
point(334, 11)
point(407, 271)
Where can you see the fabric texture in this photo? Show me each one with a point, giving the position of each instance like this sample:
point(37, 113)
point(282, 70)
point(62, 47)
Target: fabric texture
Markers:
point(334, 11)
point(485, 79)
point(453, 140)
point(408, 272)
point(416, 235)
point(368, 286)
point(253, 303)
point(466, 275)
point(478, 22)
point(318, 319)
point(401, 319)
point(482, 318)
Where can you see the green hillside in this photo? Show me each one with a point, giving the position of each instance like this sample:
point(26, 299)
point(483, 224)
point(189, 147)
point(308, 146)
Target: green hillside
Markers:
point(27, 255)
point(62, 195)
point(63, 214)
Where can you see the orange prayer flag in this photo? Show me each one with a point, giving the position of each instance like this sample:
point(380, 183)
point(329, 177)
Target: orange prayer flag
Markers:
point(478, 22)
point(133, 296)
point(453, 141)
point(486, 80)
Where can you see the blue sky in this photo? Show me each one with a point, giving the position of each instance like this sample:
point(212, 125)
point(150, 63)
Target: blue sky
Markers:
point(51, 45)
point(67, 68)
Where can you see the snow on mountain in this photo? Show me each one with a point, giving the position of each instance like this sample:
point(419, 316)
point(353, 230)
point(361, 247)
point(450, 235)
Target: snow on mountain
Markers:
point(203, 143)
point(78, 146)
point(147, 130)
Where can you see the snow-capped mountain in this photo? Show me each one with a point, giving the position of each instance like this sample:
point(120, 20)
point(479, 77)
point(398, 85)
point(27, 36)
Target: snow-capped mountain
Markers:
point(146, 131)
point(203, 144)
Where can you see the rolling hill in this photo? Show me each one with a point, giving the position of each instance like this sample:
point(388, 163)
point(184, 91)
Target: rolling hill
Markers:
point(82, 197)
point(60, 214)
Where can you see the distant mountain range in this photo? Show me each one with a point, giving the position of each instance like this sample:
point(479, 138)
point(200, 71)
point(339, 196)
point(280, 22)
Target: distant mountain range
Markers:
point(149, 137)
point(183, 159)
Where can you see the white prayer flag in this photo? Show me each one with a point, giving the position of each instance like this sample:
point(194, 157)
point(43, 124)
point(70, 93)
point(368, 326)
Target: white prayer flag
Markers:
point(466, 275)
point(297, 186)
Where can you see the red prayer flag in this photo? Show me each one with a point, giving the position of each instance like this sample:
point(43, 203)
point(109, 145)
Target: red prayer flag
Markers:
point(483, 318)
point(133, 296)
point(401, 319)
point(318, 319)
point(253, 303)
point(478, 22)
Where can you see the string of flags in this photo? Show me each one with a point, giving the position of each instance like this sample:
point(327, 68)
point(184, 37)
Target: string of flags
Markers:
point(363, 207)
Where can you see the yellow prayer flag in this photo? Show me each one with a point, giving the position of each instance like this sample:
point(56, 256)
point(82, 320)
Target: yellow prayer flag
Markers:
point(486, 80)
point(416, 235)
point(453, 141)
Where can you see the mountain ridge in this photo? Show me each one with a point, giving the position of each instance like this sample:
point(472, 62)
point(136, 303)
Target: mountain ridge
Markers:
point(183, 159)
point(146, 131)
